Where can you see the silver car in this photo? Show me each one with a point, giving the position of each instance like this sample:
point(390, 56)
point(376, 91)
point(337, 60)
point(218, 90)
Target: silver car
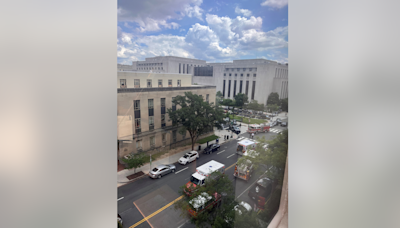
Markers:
point(161, 170)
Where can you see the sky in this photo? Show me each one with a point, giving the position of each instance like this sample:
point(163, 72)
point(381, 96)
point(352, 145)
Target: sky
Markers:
point(215, 31)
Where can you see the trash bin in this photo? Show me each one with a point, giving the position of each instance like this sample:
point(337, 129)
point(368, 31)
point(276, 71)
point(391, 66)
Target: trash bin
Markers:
point(199, 147)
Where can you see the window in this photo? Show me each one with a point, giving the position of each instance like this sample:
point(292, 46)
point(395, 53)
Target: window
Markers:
point(162, 105)
point(151, 123)
point(174, 136)
point(149, 84)
point(122, 83)
point(224, 74)
point(139, 147)
point(230, 75)
point(235, 75)
point(152, 141)
point(248, 75)
point(223, 89)
point(159, 82)
point(254, 89)
point(169, 83)
point(137, 125)
point(234, 88)
point(179, 68)
point(238, 69)
point(173, 105)
point(226, 69)
point(247, 88)
point(232, 69)
point(244, 69)
point(229, 88)
point(207, 97)
point(254, 75)
point(240, 86)
point(162, 120)
point(164, 139)
point(136, 104)
point(151, 104)
point(241, 75)
point(179, 83)
point(250, 69)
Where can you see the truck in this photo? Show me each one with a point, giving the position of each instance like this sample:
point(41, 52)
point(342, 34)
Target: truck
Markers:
point(244, 145)
point(255, 128)
point(202, 202)
point(202, 173)
point(245, 169)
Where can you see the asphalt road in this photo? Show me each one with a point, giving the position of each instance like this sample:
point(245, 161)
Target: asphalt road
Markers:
point(153, 198)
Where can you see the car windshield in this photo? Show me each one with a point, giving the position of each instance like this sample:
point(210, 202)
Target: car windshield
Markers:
point(185, 156)
point(194, 180)
point(155, 170)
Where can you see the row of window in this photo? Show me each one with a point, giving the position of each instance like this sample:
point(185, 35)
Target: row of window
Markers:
point(139, 145)
point(241, 75)
point(149, 83)
point(240, 88)
point(238, 69)
point(150, 68)
point(137, 116)
point(150, 64)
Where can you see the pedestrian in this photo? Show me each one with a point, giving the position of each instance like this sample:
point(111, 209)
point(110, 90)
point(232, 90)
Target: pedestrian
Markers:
point(252, 135)
point(217, 140)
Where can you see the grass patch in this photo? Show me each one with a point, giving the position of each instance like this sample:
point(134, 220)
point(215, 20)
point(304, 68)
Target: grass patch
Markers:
point(209, 138)
point(246, 120)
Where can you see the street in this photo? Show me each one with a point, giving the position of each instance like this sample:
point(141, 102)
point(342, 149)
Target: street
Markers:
point(149, 202)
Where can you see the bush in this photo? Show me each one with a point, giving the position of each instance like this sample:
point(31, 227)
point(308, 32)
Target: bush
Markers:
point(207, 139)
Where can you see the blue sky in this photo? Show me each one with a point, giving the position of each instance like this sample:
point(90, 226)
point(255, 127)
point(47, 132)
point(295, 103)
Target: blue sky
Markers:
point(215, 31)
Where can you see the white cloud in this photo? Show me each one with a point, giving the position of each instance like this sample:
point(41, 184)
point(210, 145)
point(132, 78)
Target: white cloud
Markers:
point(245, 12)
point(279, 4)
point(222, 27)
point(182, 30)
point(241, 24)
point(157, 15)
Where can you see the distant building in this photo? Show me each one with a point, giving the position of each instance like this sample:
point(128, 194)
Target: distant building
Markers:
point(256, 78)
point(143, 99)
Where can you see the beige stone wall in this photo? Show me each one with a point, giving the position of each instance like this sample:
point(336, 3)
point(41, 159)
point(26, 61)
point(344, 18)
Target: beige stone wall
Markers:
point(186, 79)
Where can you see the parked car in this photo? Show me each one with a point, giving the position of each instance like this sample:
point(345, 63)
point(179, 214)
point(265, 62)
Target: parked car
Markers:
point(236, 130)
point(161, 170)
point(119, 219)
point(272, 124)
point(188, 157)
point(211, 148)
point(278, 121)
point(284, 124)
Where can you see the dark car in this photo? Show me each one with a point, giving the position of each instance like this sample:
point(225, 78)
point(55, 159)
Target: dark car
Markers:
point(236, 130)
point(211, 148)
point(284, 124)
point(261, 191)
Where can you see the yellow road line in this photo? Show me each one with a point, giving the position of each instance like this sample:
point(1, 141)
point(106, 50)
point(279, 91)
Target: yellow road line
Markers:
point(156, 212)
point(230, 166)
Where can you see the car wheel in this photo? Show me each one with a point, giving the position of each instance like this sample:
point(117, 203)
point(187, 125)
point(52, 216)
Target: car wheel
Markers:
point(197, 157)
point(159, 176)
point(173, 170)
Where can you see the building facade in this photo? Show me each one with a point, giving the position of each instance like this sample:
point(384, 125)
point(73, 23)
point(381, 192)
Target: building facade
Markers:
point(143, 99)
point(256, 78)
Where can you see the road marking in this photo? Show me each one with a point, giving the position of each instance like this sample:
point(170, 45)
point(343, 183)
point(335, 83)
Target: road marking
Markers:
point(154, 213)
point(230, 156)
point(221, 152)
point(142, 215)
point(230, 166)
point(251, 184)
point(181, 170)
point(183, 223)
point(120, 198)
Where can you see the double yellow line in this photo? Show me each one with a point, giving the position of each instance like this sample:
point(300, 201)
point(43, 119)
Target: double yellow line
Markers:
point(163, 208)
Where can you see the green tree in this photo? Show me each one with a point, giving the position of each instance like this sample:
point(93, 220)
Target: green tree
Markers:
point(195, 115)
point(219, 94)
point(254, 105)
point(241, 99)
point(273, 99)
point(219, 98)
point(223, 216)
point(228, 102)
point(285, 105)
point(273, 107)
point(247, 219)
point(135, 161)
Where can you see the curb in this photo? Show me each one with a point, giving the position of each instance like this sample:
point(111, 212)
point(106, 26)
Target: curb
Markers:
point(126, 182)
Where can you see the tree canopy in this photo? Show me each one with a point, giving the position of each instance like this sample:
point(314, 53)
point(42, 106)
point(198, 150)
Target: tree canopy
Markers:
point(228, 102)
point(285, 104)
point(254, 105)
point(273, 107)
point(241, 99)
point(195, 115)
point(273, 99)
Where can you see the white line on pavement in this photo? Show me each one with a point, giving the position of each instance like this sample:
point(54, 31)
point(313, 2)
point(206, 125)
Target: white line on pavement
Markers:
point(220, 152)
point(120, 198)
point(250, 186)
point(230, 155)
point(182, 170)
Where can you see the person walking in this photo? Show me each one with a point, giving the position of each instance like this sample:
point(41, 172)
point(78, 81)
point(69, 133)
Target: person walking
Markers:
point(252, 135)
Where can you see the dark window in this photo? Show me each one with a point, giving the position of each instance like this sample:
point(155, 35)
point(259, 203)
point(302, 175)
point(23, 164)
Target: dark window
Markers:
point(159, 82)
point(254, 90)
point(230, 75)
point(137, 83)
point(229, 88)
point(203, 71)
point(151, 123)
point(137, 125)
point(207, 97)
point(254, 75)
point(240, 86)
point(248, 75)
point(149, 84)
point(234, 88)
point(151, 107)
point(162, 105)
point(169, 83)
point(223, 89)
point(179, 68)
point(137, 108)
point(241, 75)
point(178, 83)
point(235, 75)
point(162, 120)
point(224, 74)
point(122, 83)
point(247, 88)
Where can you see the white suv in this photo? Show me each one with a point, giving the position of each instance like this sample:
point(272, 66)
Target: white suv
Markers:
point(188, 157)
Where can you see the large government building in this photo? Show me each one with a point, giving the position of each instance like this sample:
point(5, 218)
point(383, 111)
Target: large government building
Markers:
point(256, 78)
